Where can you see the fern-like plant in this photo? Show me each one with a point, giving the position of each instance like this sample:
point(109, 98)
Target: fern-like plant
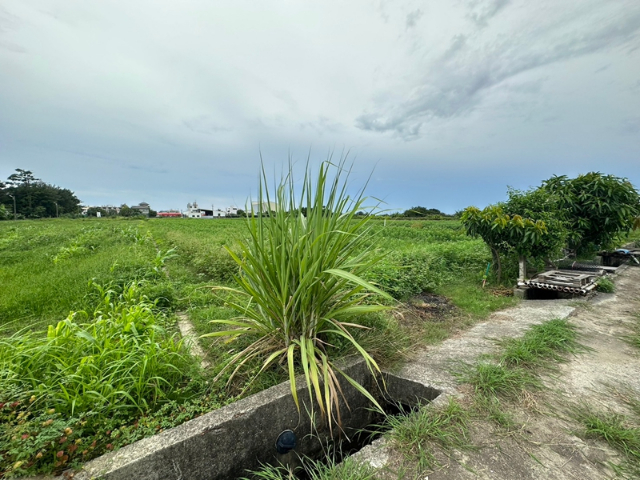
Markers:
point(300, 282)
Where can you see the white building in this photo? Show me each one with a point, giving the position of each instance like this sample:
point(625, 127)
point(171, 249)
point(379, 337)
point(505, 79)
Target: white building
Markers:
point(270, 206)
point(193, 211)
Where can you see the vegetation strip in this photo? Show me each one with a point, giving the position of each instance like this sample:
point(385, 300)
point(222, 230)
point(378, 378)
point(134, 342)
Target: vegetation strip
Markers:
point(516, 367)
point(618, 432)
point(418, 433)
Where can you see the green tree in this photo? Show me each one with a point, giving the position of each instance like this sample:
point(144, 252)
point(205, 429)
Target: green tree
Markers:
point(537, 204)
point(35, 198)
point(125, 210)
point(93, 212)
point(599, 208)
point(4, 214)
point(505, 233)
point(421, 212)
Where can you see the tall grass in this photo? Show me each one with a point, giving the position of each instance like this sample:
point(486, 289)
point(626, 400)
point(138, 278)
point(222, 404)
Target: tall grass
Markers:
point(300, 282)
point(116, 360)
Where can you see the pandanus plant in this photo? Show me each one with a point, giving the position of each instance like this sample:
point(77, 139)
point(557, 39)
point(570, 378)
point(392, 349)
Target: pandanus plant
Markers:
point(300, 283)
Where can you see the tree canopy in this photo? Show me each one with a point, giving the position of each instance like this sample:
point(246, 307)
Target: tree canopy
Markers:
point(35, 198)
point(598, 208)
point(421, 212)
point(576, 215)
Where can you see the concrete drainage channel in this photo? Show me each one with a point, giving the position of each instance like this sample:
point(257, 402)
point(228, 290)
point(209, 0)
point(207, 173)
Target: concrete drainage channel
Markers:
point(228, 442)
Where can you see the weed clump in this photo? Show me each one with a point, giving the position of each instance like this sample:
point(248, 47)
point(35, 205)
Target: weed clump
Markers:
point(301, 283)
point(416, 434)
point(541, 344)
point(615, 430)
point(605, 285)
point(60, 387)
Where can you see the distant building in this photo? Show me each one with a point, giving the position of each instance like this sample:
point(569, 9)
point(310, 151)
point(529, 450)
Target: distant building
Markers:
point(108, 209)
point(270, 206)
point(194, 211)
point(143, 208)
point(170, 214)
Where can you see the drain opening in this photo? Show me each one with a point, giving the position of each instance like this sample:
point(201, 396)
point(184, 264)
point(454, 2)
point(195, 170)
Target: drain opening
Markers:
point(402, 398)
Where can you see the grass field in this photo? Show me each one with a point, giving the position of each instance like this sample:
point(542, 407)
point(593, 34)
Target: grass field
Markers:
point(46, 266)
point(51, 268)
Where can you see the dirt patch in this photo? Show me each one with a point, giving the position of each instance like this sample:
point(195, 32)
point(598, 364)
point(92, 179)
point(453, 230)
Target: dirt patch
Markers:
point(501, 292)
point(428, 306)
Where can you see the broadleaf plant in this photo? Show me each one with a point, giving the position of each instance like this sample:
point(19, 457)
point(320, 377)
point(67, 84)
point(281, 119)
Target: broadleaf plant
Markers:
point(301, 283)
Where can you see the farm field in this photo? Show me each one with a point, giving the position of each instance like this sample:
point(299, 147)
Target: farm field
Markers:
point(147, 270)
point(46, 265)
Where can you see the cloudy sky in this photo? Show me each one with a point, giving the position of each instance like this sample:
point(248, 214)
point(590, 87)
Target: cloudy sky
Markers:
point(446, 101)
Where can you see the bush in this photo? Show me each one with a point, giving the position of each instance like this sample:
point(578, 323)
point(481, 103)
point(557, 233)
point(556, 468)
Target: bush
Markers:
point(606, 286)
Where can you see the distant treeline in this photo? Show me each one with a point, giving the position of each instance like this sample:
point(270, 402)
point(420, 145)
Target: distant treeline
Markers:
point(417, 213)
point(24, 196)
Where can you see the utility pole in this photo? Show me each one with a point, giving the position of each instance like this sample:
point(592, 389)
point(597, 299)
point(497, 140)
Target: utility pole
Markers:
point(57, 215)
point(15, 216)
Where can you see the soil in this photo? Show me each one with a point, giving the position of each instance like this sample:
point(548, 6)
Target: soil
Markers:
point(428, 306)
point(546, 443)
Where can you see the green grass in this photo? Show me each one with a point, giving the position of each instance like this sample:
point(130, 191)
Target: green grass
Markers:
point(634, 338)
point(46, 269)
point(496, 380)
point(60, 387)
point(474, 301)
point(605, 285)
point(326, 469)
point(547, 342)
point(516, 367)
point(417, 435)
point(618, 433)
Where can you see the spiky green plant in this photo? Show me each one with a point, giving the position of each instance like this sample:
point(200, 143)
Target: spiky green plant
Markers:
point(300, 282)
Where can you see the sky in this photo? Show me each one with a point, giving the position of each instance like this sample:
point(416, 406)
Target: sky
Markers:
point(442, 103)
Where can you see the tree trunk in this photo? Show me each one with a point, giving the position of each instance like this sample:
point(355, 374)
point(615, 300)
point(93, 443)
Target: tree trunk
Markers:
point(522, 268)
point(497, 264)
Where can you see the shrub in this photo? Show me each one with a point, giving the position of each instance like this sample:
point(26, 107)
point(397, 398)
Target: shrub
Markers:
point(301, 282)
point(606, 286)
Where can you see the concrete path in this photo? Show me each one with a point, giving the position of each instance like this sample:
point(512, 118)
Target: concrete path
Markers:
point(188, 332)
point(545, 446)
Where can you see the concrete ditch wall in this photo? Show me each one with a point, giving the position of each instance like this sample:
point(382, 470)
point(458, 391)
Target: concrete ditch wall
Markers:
point(228, 442)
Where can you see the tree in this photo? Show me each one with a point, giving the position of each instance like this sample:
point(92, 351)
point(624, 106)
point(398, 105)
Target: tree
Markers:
point(537, 204)
point(421, 212)
point(530, 224)
point(241, 213)
point(598, 208)
point(93, 212)
point(35, 198)
point(152, 213)
point(505, 233)
point(4, 214)
point(125, 210)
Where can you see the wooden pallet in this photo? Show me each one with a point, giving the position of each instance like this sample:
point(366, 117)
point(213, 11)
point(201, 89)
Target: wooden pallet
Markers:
point(566, 278)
